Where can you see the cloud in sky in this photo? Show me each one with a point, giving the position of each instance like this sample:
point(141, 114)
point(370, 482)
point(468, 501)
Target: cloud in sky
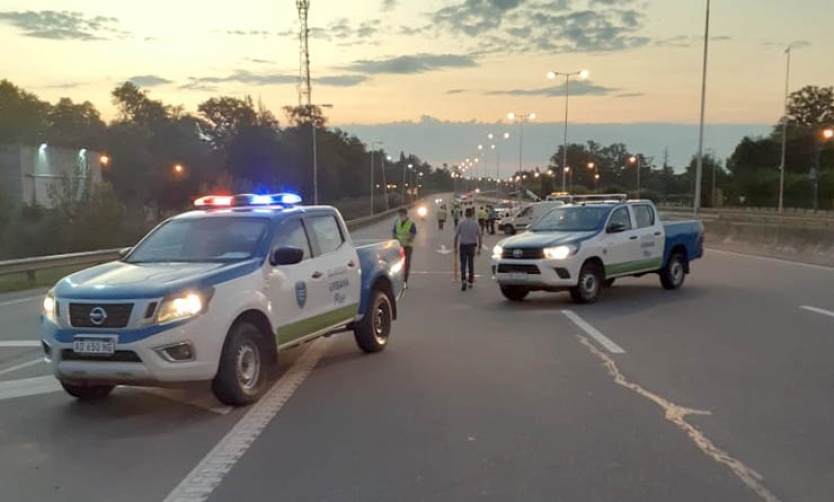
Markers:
point(406, 65)
point(581, 88)
point(63, 25)
point(149, 80)
point(388, 5)
point(263, 79)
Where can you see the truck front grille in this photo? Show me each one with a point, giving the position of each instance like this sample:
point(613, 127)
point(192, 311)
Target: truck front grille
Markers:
point(522, 254)
point(116, 315)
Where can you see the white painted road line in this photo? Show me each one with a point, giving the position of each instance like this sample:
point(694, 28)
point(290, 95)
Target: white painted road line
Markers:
point(19, 343)
point(21, 300)
point(768, 258)
point(21, 366)
point(603, 340)
point(29, 387)
point(208, 474)
point(817, 311)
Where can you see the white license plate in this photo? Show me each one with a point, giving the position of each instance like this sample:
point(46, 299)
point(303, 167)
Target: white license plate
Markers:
point(101, 345)
point(518, 276)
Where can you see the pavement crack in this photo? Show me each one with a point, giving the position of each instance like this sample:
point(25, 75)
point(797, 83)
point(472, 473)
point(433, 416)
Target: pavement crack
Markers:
point(677, 415)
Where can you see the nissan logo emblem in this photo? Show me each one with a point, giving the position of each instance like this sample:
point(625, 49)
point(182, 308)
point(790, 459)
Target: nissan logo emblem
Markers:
point(517, 253)
point(98, 315)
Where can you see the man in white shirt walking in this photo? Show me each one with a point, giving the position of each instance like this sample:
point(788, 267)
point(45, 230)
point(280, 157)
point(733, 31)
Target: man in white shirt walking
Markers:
point(468, 241)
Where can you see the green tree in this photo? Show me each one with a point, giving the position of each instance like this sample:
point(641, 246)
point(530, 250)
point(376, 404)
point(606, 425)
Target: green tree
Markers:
point(811, 107)
point(23, 116)
point(76, 125)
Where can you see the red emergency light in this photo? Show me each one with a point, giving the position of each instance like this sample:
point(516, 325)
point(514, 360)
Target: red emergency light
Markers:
point(214, 201)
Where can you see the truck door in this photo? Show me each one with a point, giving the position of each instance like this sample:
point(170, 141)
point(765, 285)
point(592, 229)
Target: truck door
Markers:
point(339, 269)
point(291, 289)
point(523, 218)
point(621, 248)
point(650, 233)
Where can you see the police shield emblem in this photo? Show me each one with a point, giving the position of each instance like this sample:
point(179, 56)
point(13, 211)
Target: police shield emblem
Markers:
point(301, 293)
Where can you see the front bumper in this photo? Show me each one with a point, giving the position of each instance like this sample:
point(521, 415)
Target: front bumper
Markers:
point(536, 274)
point(135, 362)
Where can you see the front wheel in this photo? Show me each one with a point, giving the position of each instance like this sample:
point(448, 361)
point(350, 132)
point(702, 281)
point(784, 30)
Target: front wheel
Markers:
point(589, 286)
point(373, 331)
point(515, 293)
point(509, 229)
point(674, 273)
point(242, 375)
point(87, 392)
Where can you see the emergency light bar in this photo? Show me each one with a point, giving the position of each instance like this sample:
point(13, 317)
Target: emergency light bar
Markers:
point(244, 200)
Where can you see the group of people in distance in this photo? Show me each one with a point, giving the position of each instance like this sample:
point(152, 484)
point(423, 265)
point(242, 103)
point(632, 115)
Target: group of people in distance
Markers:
point(468, 235)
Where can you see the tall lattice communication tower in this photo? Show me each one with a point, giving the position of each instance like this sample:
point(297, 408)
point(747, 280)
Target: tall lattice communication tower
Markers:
point(304, 90)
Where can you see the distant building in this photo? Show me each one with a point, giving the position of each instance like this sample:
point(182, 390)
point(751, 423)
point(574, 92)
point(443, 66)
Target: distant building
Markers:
point(27, 172)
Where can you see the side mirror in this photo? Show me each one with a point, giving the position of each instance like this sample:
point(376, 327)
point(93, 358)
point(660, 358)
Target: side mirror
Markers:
point(614, 228)
point(124, 252)
point(286, 255)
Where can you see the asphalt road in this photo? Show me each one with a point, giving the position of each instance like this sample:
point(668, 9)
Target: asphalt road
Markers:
point(721, 391)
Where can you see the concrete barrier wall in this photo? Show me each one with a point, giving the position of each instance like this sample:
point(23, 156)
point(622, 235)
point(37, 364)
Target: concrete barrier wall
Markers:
point(809, 245)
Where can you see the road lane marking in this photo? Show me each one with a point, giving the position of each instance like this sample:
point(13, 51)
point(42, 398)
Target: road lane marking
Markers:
point(29, 387)
point(207, 475)
point(603, 340)
point(768, 258)
point(21, 300)
point(21, 366)
point(677, 415)
point(19, 343)
point(199, 399)
point(817, 310)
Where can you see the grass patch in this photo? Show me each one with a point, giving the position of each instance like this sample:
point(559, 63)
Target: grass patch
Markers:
point(43, 278)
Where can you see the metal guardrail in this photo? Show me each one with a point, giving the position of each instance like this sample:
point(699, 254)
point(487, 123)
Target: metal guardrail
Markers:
point(30, 266)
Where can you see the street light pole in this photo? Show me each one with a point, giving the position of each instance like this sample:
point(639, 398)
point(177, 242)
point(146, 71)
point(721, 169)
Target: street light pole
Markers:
point(582, 74)
point(700, 164)
point(785, 131)
point(639, 161)
point(385, 188)
point(522, 117)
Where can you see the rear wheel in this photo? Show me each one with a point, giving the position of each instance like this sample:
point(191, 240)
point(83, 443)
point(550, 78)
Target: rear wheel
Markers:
point(509, 229)
point(373, 331)
point(242, 375)
point(674, 273)
point(590, 284)
point(87, 392)
point(515, 293)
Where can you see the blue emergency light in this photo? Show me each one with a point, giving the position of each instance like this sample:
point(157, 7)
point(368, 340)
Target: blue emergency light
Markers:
point(244, 200)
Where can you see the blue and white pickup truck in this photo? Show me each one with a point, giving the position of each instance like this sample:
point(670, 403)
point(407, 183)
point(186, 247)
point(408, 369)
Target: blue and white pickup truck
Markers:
point(215, 293)
point(584, 247)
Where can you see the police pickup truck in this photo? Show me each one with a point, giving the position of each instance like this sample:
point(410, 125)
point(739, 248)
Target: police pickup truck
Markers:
point(583, 247)
point(215, 293)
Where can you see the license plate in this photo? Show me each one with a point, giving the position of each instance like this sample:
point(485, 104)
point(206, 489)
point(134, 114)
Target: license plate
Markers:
point(101, 345)
point(518, 276)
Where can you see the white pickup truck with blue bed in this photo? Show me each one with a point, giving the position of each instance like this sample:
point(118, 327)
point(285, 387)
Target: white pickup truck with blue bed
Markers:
point(215, 293)
point(583, 247)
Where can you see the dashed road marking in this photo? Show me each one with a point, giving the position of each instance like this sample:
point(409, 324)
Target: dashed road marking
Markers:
point(28, 387)
point(207, 475)
point(677, 415)
point(19, 343)
point(21, 300)
point(21, 366)
point(817, 310)
point(776, 260)
point(603, 340)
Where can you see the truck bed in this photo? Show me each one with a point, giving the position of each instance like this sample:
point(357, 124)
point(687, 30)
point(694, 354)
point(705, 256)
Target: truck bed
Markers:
point(379, 260)
point(684, 234)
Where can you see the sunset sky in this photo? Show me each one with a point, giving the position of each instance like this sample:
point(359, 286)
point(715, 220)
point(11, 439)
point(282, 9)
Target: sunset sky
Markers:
point(381, 62)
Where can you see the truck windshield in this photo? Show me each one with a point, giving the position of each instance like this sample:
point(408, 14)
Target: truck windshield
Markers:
point(202, 240)
point(572, 219)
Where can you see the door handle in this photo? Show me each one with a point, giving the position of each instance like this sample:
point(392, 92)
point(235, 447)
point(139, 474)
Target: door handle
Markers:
point(657, 234)
point(351, 264)
point(317, 275)
point(633, 237)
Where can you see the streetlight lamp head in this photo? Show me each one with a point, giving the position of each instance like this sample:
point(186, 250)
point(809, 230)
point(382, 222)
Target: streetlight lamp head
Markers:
point(828, 133)
point(552, 74)
point(633, 159)
point(492, 147)
point(596, 176)
point(511, 116)
point(480, 147)
point(104, 159)
point(532, 116)
point(591, 165)
point(567, 169)
point(584, 74)
point(490, 135)
point(506, 135)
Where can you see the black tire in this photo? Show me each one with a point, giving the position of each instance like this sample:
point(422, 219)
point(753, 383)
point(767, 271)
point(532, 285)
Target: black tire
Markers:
point(509, 230)
point(609, 282)
point(515, 293)
point(87, 392)
point(674, 273)
point(372, 332)
point(589, 287)
point(243, 372)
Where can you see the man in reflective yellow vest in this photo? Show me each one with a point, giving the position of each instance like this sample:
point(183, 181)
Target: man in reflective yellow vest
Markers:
point(404, 231)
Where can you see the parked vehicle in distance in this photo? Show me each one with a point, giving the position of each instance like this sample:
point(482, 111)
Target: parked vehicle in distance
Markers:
point(521, 219)
point(215, 293)
point(583, 248)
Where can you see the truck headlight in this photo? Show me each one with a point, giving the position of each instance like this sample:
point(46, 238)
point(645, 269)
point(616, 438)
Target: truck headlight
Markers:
point(497, 251)
point(182, 307)
point(559, 252)
point(49, 306)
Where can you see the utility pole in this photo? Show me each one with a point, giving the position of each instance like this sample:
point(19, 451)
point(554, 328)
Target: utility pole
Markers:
point(785, 132)
point(700, 165)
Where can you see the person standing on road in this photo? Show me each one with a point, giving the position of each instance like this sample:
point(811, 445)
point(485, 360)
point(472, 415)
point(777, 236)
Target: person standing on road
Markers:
point(491, 217)
point(482, 217)
point(468, 242)
point(404, 231)
point(441, 216)
point(456, 214)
